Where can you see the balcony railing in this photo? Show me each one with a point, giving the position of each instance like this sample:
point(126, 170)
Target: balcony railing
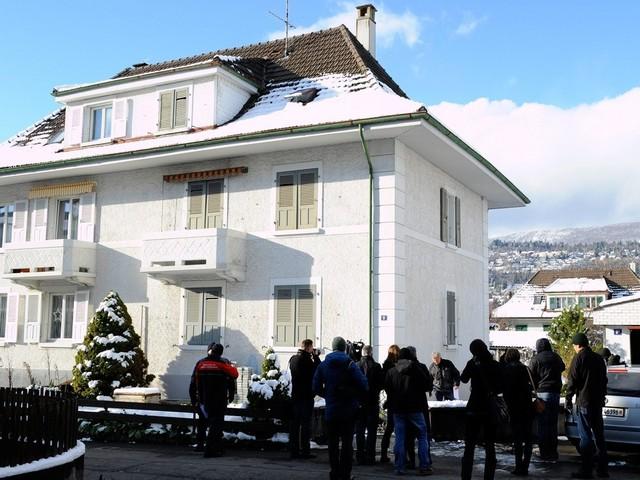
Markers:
point(50, 262)
point(195, 255)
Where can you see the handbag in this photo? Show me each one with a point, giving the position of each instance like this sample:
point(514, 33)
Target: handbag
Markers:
point(538, 404)
point(498, 410)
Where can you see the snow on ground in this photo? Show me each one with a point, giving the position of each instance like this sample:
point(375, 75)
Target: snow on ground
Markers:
point(448, 404)
point(137, 391)
point(45, 463)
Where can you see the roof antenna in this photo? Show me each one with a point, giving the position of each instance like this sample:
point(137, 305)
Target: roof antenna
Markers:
point(287, 25)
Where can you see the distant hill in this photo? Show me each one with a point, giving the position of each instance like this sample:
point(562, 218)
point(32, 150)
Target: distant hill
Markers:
point(620, 232)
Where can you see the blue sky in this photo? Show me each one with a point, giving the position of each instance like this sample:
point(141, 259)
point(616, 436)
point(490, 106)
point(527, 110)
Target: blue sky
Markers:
point(562, 55)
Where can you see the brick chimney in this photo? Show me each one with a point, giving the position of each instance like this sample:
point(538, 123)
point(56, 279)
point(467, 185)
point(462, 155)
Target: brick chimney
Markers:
point(366, 27)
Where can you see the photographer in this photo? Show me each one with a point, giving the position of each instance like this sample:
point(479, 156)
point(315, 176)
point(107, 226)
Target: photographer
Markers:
point(302, 367)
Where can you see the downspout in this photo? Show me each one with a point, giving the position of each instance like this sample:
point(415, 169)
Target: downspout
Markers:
point(366, 154)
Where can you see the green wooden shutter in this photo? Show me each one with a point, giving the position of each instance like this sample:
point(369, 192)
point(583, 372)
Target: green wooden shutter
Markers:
point(444, 209)
point(214, 203)
point(211, 316)
point(180, 116)
point(166, 111)
point(196, 206)
point(193, 317)
point(284, 317)
point(458, 239)
point(451, 318)
point(305, 313)
point(308, 199)
point(286, 207)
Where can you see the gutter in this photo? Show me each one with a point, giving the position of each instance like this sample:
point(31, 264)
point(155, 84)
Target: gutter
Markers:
point(366, 154)
point(271, 134)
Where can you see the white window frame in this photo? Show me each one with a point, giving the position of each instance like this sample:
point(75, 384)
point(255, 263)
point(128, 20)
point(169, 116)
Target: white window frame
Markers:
point(445, 339)
point(452, 195)
point(222, 285)
point(89, 124)
point(62, 339)
point(225, 202)
point(5, 227)
point(286, 282)
point(58, 203)
point(173, 128)
point(294, 167)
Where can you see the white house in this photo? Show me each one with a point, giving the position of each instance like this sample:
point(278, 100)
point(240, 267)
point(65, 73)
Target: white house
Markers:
point(246, 197)
point(620, 318)
point(527, 315)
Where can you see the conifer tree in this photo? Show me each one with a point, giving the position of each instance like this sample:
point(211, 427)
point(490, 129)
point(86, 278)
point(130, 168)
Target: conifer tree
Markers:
point(271, 388)
point(110, 356)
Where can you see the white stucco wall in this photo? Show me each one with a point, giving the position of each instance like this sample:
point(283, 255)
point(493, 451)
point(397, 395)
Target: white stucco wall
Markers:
point(621, 317)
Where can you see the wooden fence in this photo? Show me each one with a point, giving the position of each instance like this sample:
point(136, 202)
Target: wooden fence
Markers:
point(35, 424)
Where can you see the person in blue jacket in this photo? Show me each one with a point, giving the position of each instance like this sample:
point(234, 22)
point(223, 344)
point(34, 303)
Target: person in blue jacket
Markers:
point(342, 384)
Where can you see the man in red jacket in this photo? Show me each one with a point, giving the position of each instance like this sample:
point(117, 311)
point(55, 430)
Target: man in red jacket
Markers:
point(212, 386)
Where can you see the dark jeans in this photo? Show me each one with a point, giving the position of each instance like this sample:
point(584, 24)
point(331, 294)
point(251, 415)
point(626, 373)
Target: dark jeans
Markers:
point(214, 423)
point(410, 440)
point(521, 428)
point(444, 395)
point(367, 421)
point(300, 427)
point(340, 431)
point(591, 431)
point(548, 425)
point(475, 422)
point(404, 421)
point(386, 436)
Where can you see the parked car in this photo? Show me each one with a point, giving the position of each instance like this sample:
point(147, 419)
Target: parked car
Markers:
point(621, 412)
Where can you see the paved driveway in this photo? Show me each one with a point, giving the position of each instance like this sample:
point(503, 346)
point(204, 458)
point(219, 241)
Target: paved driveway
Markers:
point(162, 462)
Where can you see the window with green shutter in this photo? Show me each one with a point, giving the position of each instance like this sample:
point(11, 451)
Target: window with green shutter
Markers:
point(205, 204)
point(174, 109)
point(297, 200)
point(202, 316)
point(450, 215)
point(451, 318)
point(295, 315)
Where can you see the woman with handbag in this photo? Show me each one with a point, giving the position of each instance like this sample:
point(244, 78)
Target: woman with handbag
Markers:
point(483, 408)
point(518, 395)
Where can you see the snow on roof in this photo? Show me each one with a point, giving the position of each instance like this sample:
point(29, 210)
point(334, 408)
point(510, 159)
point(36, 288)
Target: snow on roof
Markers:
point(565, 285)
point(522, 304)
point(623, 299)
point(341, 97)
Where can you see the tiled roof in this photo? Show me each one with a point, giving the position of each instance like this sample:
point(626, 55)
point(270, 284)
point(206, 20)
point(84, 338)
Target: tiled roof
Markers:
point(325, 52)
point(615, 277)
point(335, 50)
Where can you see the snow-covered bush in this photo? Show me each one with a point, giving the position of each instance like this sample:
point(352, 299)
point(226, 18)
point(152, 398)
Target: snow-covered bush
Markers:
point(273, 387)
point(110, 356)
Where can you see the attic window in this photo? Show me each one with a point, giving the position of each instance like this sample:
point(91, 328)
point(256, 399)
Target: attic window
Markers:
point(57, 137)
point(303, 96)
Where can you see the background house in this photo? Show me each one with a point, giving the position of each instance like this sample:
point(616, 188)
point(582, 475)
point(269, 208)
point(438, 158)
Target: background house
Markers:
point(620, 319)
point(249, 197)
point(529, 313)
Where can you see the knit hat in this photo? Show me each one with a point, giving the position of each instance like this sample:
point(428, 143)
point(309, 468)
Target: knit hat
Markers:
point(339, 344)
point(215, 349)
point(405, 354)
point(580, 339)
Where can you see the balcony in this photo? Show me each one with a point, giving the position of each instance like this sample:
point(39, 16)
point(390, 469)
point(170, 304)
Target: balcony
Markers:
point(173, 257)
point(50, 263)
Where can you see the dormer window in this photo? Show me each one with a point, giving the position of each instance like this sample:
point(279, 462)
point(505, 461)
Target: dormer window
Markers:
point(100, 122)
point(173, 109)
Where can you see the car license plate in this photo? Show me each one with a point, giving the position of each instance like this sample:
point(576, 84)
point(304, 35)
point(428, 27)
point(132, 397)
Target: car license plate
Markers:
point(613, 412)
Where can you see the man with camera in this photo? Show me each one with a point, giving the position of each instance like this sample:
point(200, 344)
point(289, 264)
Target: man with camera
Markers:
point(302, 367)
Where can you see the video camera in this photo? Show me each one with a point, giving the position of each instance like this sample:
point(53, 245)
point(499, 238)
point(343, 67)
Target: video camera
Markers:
point(354, 350)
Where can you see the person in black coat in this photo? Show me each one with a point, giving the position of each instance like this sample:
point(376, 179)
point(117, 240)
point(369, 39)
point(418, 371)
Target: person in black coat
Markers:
point(546, 369)
point(410, 439)
point(213, 383)
point(406, 385)
point(302, 367)
point(369, 413)
point(588, 381)
point(485, 375)
point(388, 364)
point(445, 376)
point(518, 395)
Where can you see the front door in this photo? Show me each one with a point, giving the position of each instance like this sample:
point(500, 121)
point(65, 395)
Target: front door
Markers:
point(634, 340)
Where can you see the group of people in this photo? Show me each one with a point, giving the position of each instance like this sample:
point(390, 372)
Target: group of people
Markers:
point(351, 389)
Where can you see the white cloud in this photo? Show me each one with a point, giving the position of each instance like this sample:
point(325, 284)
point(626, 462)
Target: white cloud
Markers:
point(579, 166)
point(469, 24)
point(390, 26)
